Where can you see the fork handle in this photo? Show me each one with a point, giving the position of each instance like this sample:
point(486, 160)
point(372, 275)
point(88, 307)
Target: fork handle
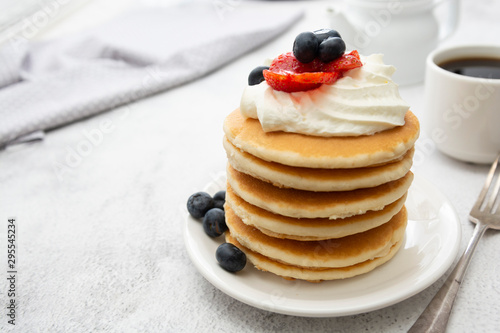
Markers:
point(435, 316)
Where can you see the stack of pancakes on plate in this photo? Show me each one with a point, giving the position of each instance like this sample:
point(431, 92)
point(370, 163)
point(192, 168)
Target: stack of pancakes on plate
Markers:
point(317, 208)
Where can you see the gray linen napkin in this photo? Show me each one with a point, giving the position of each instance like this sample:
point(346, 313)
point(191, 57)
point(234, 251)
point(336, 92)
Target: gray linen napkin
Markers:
point(48, 84)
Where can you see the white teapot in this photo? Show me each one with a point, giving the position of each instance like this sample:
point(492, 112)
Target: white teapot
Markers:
point(405, 31)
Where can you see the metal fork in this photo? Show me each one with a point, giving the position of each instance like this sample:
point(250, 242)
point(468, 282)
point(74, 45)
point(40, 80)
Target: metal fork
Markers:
point(485, 214)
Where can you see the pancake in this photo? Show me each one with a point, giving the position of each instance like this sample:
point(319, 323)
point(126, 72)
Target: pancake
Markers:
point(307, 204)
point(317, 179)
point(321, 152)
point(312, 275)
point(339, 252)
point(308, 229)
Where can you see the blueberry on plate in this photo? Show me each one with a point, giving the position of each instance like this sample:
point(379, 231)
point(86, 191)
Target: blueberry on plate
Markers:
point(256, 76)
point(305, 47)
point(199, 203)
point(219, 199)
point(323, 34)
point(214, 222)
point(331, 49)
point(230, 257)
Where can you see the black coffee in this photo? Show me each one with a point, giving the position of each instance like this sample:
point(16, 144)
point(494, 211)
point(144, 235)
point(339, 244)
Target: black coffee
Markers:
point(475, 67)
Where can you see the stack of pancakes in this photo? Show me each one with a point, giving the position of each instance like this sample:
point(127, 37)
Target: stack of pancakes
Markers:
point(317, 208)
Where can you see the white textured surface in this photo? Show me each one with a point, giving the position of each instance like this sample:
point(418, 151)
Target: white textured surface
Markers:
point(100, 244)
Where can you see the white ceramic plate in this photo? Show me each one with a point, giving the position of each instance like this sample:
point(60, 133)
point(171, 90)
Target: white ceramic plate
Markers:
point(431, 244)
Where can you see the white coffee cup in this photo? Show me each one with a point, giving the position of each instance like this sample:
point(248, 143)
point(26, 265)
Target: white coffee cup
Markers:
point(463, 112)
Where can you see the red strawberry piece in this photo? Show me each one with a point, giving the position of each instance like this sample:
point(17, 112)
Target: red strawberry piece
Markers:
point(288, 74)
point(285, 81)
point(317, 77)
point(344, 63)
point(288, 62)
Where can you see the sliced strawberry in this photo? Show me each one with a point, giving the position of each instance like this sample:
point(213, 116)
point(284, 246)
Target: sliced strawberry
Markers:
point(287, 74)
point(317, 77)
point(287, 62)
point(284, 81)
point(344, 63)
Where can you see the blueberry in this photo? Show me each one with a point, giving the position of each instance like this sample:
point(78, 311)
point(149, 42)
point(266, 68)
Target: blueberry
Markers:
point(256, 76)
point(305, 47)
point(214, 222)
point(331, 48)
point(199, 203)
point(230, 257)
point(219, 199)
point(323, 34)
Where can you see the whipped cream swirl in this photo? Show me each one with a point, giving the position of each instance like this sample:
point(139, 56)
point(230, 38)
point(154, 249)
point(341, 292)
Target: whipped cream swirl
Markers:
point(364, 101)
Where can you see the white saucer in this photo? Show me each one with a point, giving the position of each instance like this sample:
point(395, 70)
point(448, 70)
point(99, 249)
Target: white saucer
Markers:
point(431, 244)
